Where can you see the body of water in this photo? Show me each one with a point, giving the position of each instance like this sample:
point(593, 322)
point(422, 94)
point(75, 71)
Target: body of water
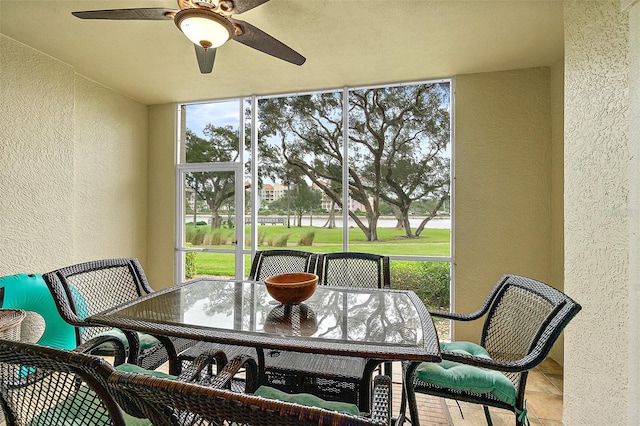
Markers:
point(318, 221)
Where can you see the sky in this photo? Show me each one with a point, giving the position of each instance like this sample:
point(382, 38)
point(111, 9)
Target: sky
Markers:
point(225, 113)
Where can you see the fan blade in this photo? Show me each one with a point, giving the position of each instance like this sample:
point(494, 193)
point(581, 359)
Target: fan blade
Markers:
point(205, 57)
point(241, 6)
point(151, 13)
point(259, 40)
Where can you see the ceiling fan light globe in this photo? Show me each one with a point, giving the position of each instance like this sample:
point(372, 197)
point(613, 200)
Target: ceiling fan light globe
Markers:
point(203, 27)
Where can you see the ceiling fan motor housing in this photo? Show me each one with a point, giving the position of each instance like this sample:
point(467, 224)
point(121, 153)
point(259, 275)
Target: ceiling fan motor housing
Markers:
point(204, 27)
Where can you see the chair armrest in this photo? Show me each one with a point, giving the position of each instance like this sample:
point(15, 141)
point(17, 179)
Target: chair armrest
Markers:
point(381, 399)
point(226, 370)
point(516, 366)
point(474, 315)
point(224, 377)
point(94, 343)
point(192, 372)
point(457, 316)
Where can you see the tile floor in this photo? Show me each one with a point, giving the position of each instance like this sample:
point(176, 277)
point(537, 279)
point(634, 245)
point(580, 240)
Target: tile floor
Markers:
point(544, 402)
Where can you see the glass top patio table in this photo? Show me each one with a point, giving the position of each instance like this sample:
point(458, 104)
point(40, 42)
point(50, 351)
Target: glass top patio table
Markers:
point(370, 323)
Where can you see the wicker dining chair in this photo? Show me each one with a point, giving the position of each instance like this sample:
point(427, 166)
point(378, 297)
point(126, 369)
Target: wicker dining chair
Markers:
point(265, 263)
point(40, 385)
point(333, 376)
point(523, 319)
point(354, 269)
point(169, 403)
point(88, 288)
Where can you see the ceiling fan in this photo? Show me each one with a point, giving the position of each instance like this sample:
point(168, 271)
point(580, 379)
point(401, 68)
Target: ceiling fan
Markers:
point(208, 24)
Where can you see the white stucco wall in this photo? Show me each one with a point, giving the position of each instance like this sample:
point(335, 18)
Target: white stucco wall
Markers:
point(72, 166)
point(502, 183)
point(596, 214)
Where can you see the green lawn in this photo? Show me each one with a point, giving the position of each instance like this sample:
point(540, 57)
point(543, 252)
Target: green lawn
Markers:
point(432, 242)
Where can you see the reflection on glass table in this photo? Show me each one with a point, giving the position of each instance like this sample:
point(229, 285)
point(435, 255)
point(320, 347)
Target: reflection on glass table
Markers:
point(380, 325)
point(291, 320)
point(393, 324)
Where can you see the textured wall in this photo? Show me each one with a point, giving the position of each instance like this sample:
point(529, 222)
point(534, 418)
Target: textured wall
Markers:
point(596, 213)
point(502, 182)
point(634, 210)
point(162, 204)
point(110, 174)
point(73, 166)
point(36, 160)
point(557, 189)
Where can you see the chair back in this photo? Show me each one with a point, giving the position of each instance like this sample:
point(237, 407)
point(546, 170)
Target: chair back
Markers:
point(88, 288)
point(40, 385)
point(354, 269)
point(524, 319)
point(267, 263)
point(169, 402)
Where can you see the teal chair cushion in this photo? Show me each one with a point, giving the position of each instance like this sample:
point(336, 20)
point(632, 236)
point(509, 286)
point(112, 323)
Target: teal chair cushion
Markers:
point(146, 340)
point(132, 368)
point(29, 292)
point(463, 377)
point(307, 400)
point(77, 409)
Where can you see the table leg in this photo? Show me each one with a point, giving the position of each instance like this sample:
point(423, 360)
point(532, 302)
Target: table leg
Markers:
point(408, 395)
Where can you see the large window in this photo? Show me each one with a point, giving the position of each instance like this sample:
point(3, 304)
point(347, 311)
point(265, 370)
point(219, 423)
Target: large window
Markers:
point(384, 188)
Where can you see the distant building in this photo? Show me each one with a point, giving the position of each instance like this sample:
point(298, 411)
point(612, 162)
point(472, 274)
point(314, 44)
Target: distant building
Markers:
point(273, 192)
point(326, 201)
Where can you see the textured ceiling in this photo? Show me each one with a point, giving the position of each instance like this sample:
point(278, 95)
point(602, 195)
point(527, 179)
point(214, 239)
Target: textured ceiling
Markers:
point(348, 42)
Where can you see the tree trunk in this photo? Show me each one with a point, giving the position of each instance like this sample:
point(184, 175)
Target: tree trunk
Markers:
point(407, 225)
point(216, 219)
point(431, 216)
point(373, 229)
point(195, 208)
point(399, 218)
point(288, 205)
point(369, 231)
point(331, 220)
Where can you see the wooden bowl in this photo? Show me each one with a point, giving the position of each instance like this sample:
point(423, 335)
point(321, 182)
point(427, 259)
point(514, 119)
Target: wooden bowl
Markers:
point(291, 288)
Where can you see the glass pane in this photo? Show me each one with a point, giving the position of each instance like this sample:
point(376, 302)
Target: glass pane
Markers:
point(399, 168)
point(212, 132)
point(300, 172)
point(431, 281)
point(209, 200)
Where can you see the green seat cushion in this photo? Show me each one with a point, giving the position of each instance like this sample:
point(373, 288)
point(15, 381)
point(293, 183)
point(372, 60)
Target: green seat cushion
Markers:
point(77, 408)
point(146, 340)
point(307, 400)
point(463, 377)
point(132, 368)
point(465, 348)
